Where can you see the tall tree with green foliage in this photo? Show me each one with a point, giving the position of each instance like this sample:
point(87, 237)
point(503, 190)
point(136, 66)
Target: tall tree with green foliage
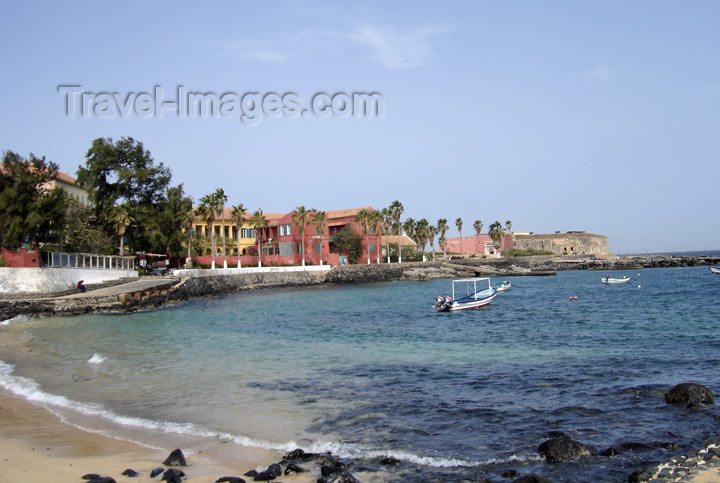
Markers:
point(496, 233)
point(122, 216)
point(376, 222)
point(123, 171)
point(258, 222)
point(432, 231)
point(188, 223)
point(220, 199)
point(167, 236)
point(397, 209)
point(364, 218)
point(442, 227)
point(478, 225)
point(301, 216)
point(387, 223)
point(206, 211)
point(238, 215)
point(30, 212)
point(349, 242)
point(319, 221)
point(459, 225)
point(422, 234)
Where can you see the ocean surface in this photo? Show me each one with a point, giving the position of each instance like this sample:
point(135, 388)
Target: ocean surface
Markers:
point(371, 370)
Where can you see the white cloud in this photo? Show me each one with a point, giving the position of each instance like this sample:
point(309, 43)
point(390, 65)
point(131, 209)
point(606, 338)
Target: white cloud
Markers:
point(387, 46)
point(397, 50)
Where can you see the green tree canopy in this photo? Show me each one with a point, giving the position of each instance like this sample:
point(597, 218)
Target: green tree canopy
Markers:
point(125, 172)
point(29, 210)
point(349, 242)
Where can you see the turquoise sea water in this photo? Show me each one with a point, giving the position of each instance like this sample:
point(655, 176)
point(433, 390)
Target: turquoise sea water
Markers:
point(372, 370)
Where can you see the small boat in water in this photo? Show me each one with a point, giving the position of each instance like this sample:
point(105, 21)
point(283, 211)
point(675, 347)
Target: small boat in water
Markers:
point(471, 293)
point(715, 270)
point(503, 286)
point(608, 280)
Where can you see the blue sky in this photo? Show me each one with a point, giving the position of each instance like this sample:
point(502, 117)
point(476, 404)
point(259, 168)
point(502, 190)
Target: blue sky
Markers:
point(596, 116)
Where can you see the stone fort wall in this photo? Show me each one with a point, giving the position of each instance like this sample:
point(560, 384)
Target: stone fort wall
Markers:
point(564, 243)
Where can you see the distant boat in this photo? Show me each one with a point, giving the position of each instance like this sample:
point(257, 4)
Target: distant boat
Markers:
point(503, 286)
point(608, 280)
point(715, 270)
point(475, 295)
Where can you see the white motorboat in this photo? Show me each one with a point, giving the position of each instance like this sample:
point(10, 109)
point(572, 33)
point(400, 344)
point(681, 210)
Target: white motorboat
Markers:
point(608, 280)
point(715, 270)
point(471, 293)
point(503, 286)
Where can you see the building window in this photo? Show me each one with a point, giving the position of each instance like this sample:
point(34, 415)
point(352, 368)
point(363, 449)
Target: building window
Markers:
point(317, 248)
point(285, 230)
point(227, 232)
point(299, 247)
point(247, 233)
point(372, 247)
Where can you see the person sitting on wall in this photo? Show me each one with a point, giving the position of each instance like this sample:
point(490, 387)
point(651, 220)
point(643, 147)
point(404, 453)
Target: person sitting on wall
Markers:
point(81, 285)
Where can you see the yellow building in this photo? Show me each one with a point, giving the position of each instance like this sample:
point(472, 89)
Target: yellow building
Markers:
point(230, 230)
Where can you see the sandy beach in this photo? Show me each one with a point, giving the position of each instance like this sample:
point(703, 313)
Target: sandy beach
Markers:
point(37, 447)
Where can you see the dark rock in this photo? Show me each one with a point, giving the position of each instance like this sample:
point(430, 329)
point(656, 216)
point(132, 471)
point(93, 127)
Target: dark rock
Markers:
point(531, 478)
point(509, 474)
point(130, 473)
point(612, 451)
point(562, 448)
point(229, 479)
point(689, 392)
point(326, 459)
point(293, 468)
point(340, 463)
point(343, 476)
point(172, 475)
point(634, 446)
point(102, 479)
point(156, 472)
point(265, 476)
point(275, 469)
point(329, 470)
point(389, 461)
point(294, 454)
point(638, 476)
point(251, 473)
point(176, 458)
point(91, 476)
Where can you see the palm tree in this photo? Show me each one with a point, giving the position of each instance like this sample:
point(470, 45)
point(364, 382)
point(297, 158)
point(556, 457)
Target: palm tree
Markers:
point(220, 200)
point(320, 222)
point(238, 214)
point(397, 209)
point(458, 224)
point(363, 216)
point(422, 235)
point(301, 217)
point(187, 223)
point(496, 233)
point(123, 217)
point(508, 225)
point(409, 227)
point(432, 231)
point(478, 225)
point(376, 221)
point(387, 222)
point(206, 210)
point(442, 228)
point(258, 222)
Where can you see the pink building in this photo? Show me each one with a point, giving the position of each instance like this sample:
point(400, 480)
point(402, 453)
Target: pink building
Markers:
point(478, 245)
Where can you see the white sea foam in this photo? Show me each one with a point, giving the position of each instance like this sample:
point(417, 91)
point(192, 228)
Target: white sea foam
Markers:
point(17, 318)
point(28, 389)
point(97, 359)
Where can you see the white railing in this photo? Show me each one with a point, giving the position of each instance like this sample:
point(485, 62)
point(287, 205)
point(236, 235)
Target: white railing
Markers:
point(87, 260)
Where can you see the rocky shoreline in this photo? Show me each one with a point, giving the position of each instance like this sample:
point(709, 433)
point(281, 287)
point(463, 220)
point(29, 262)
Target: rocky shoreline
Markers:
point(177, 290)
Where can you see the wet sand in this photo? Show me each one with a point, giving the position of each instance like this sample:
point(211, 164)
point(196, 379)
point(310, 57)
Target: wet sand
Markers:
point(36, 446)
